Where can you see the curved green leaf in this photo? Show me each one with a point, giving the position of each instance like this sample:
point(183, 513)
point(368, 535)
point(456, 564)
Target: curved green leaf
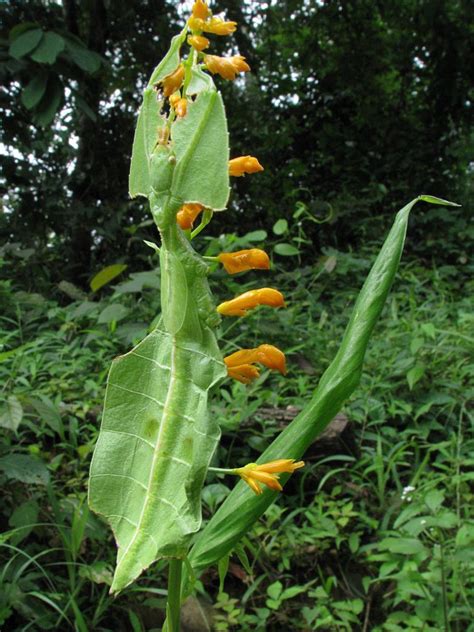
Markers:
point(200, 142)
point(145, 140)
point(25, 468)
point(106, 275)
point(286, 250)
point(33, 93)
point(50, 103)
point(242, 508)
point(170, 61)
point(49, 48)
point(200, 81)
point(174, 291)
point(25, 43)
point(11, 414)
point(86, 59)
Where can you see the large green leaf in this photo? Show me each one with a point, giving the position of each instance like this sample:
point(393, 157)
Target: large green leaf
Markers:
point(156, 438)
point(154, 447)
point(200, 143)
point(242, 508)
point(25, 468)
point(25, 43)
point(49, 48)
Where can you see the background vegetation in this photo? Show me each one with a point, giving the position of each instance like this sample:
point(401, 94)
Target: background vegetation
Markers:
point(353, 108)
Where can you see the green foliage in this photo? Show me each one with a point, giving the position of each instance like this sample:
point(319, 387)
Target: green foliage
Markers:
point(327, 83)
point(353, 499)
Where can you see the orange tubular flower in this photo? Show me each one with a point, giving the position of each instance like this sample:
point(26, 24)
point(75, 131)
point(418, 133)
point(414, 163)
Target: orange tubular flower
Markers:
point(267, 473)
point(198, 42)
point(226, 67)
point(241, 304)
point(244, 164)
point(244, 373)
point(195, 24)
point(243, 260)
point(187, 214)
point(218, 26)
point(180, 106)
point(268, 355)
point(173, 82)
point(201, 10)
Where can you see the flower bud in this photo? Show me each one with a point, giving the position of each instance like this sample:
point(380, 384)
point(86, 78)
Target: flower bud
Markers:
point(243, 260)
point(196, 24)
point(241, 304)
point(200, 10)
point(181, 107)
point(173, 82)
point(198, 42)
point(187, 215)
point(244, 164)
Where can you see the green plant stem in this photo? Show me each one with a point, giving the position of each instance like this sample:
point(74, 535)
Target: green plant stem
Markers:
point(174, 595)
point(222, 470)
point(447, 627)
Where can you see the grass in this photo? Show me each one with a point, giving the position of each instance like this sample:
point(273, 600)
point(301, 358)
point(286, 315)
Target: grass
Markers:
point(378, 535)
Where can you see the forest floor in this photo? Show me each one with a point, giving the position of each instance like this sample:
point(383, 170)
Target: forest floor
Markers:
point(375, 533)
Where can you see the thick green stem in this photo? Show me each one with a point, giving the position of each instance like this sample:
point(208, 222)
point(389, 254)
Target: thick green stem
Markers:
point(174, 595)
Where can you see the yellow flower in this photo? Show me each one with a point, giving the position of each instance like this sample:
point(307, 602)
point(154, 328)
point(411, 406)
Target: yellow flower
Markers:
point(200, 10)
point(267, 473)
point(244, 164)
point(179, 104)
point(226, 67)
point(198, 42)
point(238, 306)
point(173, 82)
point(243, 260)
point(195, 24)
point(244, 373)
point(218, 26)
point(239, 364)
point(187, 215)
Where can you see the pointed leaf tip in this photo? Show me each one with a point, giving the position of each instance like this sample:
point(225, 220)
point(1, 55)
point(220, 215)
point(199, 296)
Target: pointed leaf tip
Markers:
point(431, 199)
